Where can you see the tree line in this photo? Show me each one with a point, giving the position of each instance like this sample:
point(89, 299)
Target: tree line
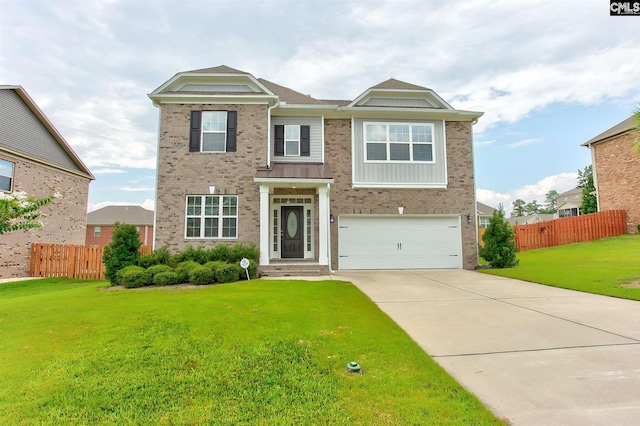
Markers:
point(588, 205)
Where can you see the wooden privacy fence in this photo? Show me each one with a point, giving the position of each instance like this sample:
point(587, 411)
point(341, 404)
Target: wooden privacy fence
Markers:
point(71, 261)
point(570, 230)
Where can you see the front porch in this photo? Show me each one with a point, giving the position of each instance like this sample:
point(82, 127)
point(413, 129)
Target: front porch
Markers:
point(293, 268)
point(294, 217)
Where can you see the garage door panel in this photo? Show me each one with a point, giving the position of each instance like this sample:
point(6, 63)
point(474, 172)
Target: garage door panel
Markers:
point(366, 242)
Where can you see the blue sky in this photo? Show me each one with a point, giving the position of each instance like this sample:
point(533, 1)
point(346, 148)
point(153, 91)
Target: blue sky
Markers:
point(549, 75)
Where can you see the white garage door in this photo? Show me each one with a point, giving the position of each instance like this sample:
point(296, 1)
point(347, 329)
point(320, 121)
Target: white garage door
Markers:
point(374, 242)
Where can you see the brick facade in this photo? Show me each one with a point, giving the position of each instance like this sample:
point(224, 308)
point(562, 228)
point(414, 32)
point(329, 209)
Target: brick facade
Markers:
point(617, 166)
point(65, 221)
point(183, 173)
point(457, 199)
point(106, 235)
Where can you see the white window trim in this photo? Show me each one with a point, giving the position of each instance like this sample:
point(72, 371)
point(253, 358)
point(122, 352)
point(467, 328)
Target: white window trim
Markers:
point(388, 143)
point(291, 140)
point(275, 254)
point(220, 216)
point(13, 172)
point(203, 132)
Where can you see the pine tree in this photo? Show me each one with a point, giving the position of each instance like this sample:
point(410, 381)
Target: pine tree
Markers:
point(122, 251)
point(499, 247)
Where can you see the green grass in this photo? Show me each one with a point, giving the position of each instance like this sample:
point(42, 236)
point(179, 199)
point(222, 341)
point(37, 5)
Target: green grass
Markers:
point(604, 266)
point(257, 352)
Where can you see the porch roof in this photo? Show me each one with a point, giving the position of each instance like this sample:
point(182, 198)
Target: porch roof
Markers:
point(295, 172)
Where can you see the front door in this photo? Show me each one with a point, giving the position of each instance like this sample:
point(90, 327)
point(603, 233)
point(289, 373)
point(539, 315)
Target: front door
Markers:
point(292, 235)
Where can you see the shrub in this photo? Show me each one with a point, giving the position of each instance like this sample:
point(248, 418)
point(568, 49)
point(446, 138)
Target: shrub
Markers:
point(132, 276)
point(228, 273)
point(165, 278)
point(122, 251)
point(154, 270)
point(201, 275)
point(183, 269)
point(253, 269)
point(160, 256)
point(214, 265)
point(499, 248)
point(198, 254)
point(238, 251)
point(220, 253)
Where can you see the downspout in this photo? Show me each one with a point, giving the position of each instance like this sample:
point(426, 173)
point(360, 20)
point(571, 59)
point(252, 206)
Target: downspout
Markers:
point(475, 201)
point(269, 131)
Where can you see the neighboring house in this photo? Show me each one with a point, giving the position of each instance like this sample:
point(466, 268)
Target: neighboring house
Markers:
point(528, 220)
point(569, 203)
point(485, 213)
point(101, 223)
point(35, 158)
point(616, 170)
point(382, 181)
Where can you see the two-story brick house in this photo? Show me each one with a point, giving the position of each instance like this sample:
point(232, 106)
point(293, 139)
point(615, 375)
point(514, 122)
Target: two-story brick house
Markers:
point(36, 159)
point(384, 181)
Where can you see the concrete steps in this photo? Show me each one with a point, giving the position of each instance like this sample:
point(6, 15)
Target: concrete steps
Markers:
point(292, 268)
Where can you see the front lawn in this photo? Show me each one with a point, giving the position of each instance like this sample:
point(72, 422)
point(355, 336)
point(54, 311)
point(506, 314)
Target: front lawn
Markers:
point(256, 352)
point(610, 267)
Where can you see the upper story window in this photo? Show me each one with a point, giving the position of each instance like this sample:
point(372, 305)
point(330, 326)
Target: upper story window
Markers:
point(213, 131)
point(398, 142)
point(6, 175)
point(292, 140)
point(212, 216)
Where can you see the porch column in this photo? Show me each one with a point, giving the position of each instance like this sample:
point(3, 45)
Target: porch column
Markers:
point(323, 222)
point(264, 225)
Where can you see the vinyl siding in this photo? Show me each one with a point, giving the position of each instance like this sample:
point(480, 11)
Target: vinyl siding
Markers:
point(400, 173)
point(22, 132)
point(315, 124)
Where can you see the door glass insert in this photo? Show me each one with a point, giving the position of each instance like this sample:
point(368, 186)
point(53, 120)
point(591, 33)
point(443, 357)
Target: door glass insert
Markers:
point(292, 224)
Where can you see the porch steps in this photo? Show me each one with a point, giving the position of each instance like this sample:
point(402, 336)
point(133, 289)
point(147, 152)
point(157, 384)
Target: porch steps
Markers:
point(293, 269)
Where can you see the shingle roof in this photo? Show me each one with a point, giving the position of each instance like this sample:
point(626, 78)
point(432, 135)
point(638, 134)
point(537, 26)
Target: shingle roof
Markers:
point(131, 215)
point(621, 127)
point(222, 69)
point(484, 210)
point(394, 84)
point(290, 96)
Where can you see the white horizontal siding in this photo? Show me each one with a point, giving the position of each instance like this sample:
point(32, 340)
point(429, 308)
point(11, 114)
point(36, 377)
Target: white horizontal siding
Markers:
point(315, 124)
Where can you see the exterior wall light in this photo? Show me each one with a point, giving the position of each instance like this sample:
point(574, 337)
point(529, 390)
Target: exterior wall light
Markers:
point(469, 219)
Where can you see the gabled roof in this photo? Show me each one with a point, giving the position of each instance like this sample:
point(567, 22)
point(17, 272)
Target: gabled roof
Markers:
point(222, 69)
point(393, 84)
point(27, 132)
point(571, 191)
point(622, 127)
point(484, 210)
point(131, 215)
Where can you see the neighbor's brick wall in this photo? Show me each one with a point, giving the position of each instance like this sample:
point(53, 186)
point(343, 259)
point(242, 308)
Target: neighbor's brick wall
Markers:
point(65, 222)
point(106, 235)
point(617, 166)
point(185, 173)
point(457, 199)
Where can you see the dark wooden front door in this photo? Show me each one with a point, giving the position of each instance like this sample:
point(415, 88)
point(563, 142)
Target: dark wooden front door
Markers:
point(292, 235)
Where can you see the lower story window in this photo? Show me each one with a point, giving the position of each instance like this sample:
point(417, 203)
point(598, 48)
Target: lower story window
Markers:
point(212, 216)
point(6, 175)
point(96, 231)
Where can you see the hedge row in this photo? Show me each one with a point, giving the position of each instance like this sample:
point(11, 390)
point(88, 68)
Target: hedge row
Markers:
point(187, 272)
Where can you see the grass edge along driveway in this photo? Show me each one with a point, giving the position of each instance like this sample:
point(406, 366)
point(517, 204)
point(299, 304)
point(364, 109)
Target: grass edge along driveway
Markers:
point(610, 267)
point(257, 352)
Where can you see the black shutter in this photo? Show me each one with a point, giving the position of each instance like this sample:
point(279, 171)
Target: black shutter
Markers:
point(279, 139)
point(194, 136)
point(232, 124)
point(305, 141)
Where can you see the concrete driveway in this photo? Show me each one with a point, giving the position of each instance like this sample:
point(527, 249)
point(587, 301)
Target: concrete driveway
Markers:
point(533, 354)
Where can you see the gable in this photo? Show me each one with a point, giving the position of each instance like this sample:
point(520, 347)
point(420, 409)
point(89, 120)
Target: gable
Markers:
point(22, 132)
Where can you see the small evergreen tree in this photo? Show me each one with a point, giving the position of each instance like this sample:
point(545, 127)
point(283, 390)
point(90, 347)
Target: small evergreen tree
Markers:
point(499, 248)
point(122, 251)
point(585, 183)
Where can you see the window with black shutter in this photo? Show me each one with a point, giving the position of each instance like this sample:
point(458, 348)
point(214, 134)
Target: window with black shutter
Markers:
point(213, 131)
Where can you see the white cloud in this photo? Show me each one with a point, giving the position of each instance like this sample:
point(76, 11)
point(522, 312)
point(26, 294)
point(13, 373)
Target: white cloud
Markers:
point(524, 142)
point(561, 182)
point(108, 171)
point(136, 188)
point(479, 144)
